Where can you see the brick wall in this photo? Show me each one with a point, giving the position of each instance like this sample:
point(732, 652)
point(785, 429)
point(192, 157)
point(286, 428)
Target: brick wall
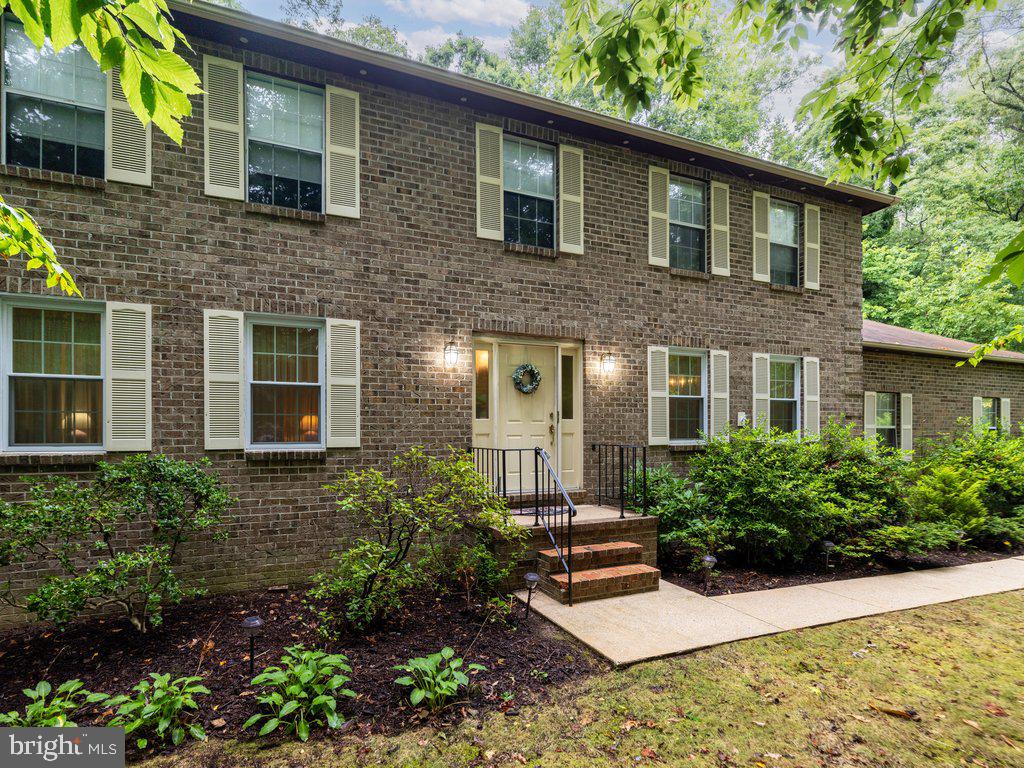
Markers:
point(413, 272)
point(942, 392)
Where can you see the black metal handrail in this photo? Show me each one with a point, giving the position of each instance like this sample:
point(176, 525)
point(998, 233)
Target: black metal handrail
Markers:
point(551, 505)
point(622, 476)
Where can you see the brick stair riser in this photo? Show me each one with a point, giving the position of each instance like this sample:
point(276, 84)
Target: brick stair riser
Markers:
point(584, 560)
point(599, 589)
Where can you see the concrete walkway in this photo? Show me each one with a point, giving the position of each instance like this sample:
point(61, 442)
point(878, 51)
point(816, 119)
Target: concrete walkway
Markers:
point(674, 620)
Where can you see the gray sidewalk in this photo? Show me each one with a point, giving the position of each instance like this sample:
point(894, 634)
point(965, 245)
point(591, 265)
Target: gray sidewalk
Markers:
point(674, 620)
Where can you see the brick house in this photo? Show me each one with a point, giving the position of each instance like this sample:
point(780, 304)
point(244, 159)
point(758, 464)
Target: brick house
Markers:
point(351, 254)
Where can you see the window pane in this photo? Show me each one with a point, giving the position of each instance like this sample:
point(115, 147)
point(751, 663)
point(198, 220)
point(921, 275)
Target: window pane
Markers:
point(568, 387)
point(285, 414)
point(684, 375)
point(686, 202)
point(783, 415)
point(885, 410)
point(685, 417)
point(784, 223)
point(285, 353)
point(529, 167)
point(68, 75)
point(783, 379)
point(686, 247)
point(28, 323)
point(887, 435)
point(529, 220)
point(785, 268)
point(54, 137)
point(56, 411)
point(482, 372)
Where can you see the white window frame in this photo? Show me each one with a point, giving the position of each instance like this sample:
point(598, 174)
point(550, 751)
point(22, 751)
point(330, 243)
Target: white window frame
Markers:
point(252, 319)
point(704, 393)
point(7, 371)
point(797, 398)
point(707, 212)
point(245, 137)
point(553, 197)
point(897, 421)
point(772, 201)
point(997, 415)
point(5, 89)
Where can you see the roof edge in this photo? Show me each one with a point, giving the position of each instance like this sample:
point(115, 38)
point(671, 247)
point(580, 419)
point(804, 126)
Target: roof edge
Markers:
point(870, 199)
point(937, 352)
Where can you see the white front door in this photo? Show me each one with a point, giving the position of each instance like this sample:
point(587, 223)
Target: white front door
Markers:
point(527, 420)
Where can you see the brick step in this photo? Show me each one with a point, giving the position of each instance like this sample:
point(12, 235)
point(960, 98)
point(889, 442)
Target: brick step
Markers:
point(598, 583)
point(587, 556)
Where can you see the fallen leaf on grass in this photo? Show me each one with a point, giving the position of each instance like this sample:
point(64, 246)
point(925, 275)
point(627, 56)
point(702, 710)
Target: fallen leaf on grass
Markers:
point(908, 713)
point(649, 753)
point(1009, 741)
point(995, 710)
point(220, 722)
point(974, 725)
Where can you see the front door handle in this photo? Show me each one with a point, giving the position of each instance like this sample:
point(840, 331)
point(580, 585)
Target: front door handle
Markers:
point(551, 429)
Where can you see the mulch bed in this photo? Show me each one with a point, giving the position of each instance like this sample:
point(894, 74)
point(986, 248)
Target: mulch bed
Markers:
point(202, 637)
point(730, 579)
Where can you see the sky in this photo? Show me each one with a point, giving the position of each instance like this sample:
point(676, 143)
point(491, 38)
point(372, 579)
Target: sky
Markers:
point(429, 22)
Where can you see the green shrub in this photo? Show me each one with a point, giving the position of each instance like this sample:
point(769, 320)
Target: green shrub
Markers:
point(426, 520)
point(435, 679)
point(950, 495)
point(912, 538)
point(992, 456)
point(776, 498)
point(161, 708)
point(302, 692)
point(56, 711)
point(89, 533)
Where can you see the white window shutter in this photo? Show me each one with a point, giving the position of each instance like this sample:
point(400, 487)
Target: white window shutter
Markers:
point(719, 386)
point(812, 247)
point(762, 390)
point(570, 199)
point(128, 149)
point(870, 415)
point(976, 412)
point(657, 395)
point(657, 216)
point(224, 128)
point(128, 384)
point(812, 397)
point(719, 228)
point(1004, 414)
point(762, 245)
point(342, 198)
point(223, 375)
point(490, 204)
point(343, 423)
point(906, 423)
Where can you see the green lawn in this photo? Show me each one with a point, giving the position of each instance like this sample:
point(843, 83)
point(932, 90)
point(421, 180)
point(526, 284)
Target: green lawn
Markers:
point(797, 699)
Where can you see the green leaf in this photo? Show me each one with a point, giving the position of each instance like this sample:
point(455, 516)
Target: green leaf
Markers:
point(268, 726)
point(252, 721)
point(302, 730)
point(416, 696)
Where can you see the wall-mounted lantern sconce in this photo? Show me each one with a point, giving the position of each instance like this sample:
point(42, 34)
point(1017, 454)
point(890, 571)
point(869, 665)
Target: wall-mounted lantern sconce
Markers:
point(607, 363)
point(451, 354)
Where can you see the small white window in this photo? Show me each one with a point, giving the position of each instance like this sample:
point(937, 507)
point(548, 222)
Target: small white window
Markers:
point(784, 394)
point(285, 391)
point(53, 380)
point(887, 418)
point(687, 396)
point(529, 193)
point(54, 106)
point(284, 123)
point(687, 219)
point(990, 413)
point(784, 236)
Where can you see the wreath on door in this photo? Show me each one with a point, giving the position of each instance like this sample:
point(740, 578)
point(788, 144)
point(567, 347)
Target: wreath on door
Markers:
point(526, 378)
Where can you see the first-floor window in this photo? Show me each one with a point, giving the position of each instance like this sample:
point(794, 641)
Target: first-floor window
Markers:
point(54, 106)
point(687, 411)
point(784, 410)
point(990, 414)
point(887, 418)
point(784, 235)
point(529, 195)
point(55, 379)
point(285, 388)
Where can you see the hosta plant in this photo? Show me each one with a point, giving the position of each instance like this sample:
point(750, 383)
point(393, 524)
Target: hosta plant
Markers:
point(302, 692)
point(435, 679)
point(46, 711)
point(160, 709)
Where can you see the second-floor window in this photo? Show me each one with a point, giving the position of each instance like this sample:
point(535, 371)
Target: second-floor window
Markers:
point(54, 106)
point(887, 418)
point(687, 215)
point(284, 123)
point(529, 173)
point(687, 374)
point(785, 238)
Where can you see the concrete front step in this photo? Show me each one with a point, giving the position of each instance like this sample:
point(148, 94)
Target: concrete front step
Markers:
point(598, 583)
point(587, 556)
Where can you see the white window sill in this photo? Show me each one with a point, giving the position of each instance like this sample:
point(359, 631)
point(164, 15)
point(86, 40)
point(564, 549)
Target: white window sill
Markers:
point(688, 446)
point(317, 455)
